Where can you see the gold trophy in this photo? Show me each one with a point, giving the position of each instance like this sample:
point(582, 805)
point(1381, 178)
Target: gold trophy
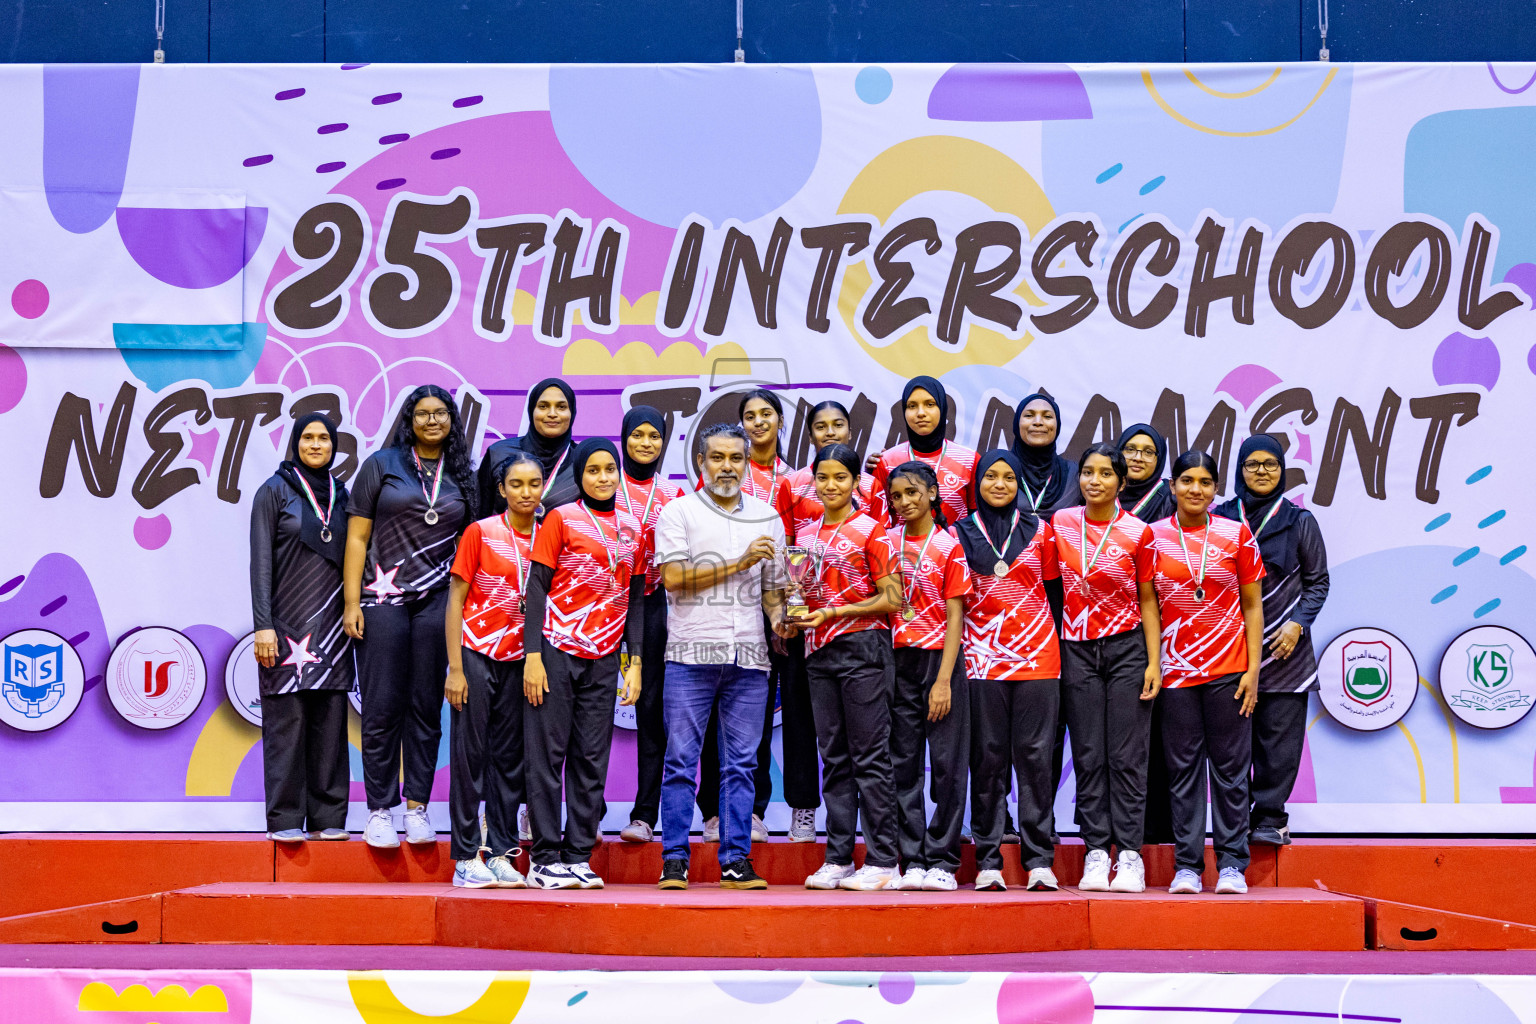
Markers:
point(798, 564)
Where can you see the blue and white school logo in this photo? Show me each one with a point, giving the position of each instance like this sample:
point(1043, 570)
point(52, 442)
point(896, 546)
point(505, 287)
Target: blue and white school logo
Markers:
point(41, 680)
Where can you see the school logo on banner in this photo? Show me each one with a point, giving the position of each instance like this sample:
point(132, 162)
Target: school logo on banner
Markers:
point(1367, 679)
point(156, 678)
point(242, 680)
point(1482, 675)
point(41, 681)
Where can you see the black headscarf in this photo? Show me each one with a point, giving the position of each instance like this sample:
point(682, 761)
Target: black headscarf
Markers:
point(1134, 490)
point(932, 442)
point(1258, 506)
point(292, 468)
point(978, 547)
point(1042, 470)
point(637, 471)
point(547, 449)
point(584, 451)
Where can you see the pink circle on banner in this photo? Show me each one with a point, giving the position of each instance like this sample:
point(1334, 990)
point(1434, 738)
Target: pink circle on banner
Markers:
point(152, 531)
point(1044, 999)
point(30, 299)
point(13, 378)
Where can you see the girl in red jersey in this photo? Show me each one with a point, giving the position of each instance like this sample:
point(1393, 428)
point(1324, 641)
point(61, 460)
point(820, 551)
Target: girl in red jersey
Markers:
point(1110, 671)
point(589, 571)
point(762, 417)
point(855, 586)
point(829, 425)
point(486, 599)
point(1208, 594)
point(925, 408)
point(932, 705)
point(642, 493)
point(1013, 667)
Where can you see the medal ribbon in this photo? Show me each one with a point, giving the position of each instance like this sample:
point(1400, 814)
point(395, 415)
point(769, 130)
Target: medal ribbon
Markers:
point(1089, 563)
point(1146, 498)
point(517, 556)
point(1205, 550)
point(976, 518)
point(325, 517)
point(1034, 502)
point(826, 546)
point(629, 507)
point(602, 538)
point(437, 481)
point(1267, 516)
point(917, 567)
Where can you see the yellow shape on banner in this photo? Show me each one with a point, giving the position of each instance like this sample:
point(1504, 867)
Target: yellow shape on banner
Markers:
point(590, 358)
point(98, 996)
point(1450, 723)
point(940, 163)
point(377, 1004)
point(1273, 75)
point(1157, 97)
point(220, 748)
point(641, 312)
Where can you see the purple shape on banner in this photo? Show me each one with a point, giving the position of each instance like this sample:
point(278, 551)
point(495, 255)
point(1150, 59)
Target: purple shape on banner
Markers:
point(468, 101)
point(389, 183)
point(1463, 360)
point(52, 578)
point(353, 67)
point(1523, 276)
point(13, 380)
point(334, 165)
point(30, 299)
point(152, 532)
point(389, 140)
point(1247, 383)
point(88, 114)
point(760, 990)
point(897, 986)
point(389, 97)
point(1006, 92)
point(289, 94)
point(256, 161)
point(191, 248)
point(445, 154)
point(331, 129)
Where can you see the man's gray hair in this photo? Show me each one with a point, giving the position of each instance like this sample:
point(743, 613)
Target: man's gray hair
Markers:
point(722, 430)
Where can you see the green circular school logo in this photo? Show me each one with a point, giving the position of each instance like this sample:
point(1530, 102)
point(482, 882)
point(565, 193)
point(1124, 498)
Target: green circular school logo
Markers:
point(1487, 676)
point(1367, 679)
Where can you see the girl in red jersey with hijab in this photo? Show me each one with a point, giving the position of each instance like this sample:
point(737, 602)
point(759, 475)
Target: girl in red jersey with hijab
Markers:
point(589, 571)
point(925, 407)
point(1110, 671)
point(931, 709)
point(486, 604)
point(855, 586)
point(1208, 594)
point(1013, 667)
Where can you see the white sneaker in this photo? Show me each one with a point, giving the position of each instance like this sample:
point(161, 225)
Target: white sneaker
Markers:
point(552, 876)
point(1185, 883)
point(1230, 882)
point(1042, 880)
point(332, 835)
point(584, 875)
point(913, 879)
point(288, 835)
point(990, 881)
point(869, 878)
point(1095, 872)
point(524, 830)
point(418, 829)
point(473, 874)
point(381, 832)
point(759, 830)
point(939, 880)
point(1130, 873)
point(802, 825)
point(828, 876)
point(507, 875)
point(712, 830)
point(637, 831)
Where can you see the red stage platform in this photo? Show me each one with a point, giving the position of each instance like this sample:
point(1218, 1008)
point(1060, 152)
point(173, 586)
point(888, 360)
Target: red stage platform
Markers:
point(1314, 895)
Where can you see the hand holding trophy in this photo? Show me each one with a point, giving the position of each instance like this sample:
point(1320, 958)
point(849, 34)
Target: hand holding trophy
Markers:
point(799, 562)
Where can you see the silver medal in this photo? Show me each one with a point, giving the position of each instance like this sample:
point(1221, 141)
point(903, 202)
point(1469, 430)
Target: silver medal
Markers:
point(1000, 569)
point(1199, 593)
point(325, 535)
point(431, 517)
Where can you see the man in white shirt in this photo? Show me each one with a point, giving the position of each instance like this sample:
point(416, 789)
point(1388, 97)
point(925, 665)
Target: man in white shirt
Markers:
point(720, 565)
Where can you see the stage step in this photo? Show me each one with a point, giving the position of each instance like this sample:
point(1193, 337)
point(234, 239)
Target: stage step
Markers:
point(1391, 925)
point(311, 913)
point(132, 920)
point(1265, 918)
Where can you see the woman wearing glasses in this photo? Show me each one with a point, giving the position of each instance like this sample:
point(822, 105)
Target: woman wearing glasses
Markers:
point(409, 504)
point(1146, 494)
point(1295, 587)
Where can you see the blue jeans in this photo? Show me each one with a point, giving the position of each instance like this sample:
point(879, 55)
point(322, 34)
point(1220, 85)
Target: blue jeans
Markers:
point(691, 691)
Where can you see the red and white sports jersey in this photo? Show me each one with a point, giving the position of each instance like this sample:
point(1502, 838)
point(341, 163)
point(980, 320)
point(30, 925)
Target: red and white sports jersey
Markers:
point(584, 615)
point(927, 585)
point(1009, 633)
point(494, 560)
point(1111, 605)
point(853, 554)
point(1203, 640)
point(644, 501)
point(805, 506)
point(954, 465)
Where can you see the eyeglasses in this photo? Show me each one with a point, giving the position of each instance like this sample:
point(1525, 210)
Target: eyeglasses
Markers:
point(1255, 466)
point(428, 415)
point(1139, 453)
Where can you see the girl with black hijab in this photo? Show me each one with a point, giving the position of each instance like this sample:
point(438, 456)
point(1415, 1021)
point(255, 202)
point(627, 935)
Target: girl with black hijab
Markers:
point(588, 574)
point(1047, 481)
point(643, 493)
point(305, 657)
point(1013, 666)
point(1146, 494)
point(925, 406)
point(410, 501)
point(1294, 587)
point(551, 415)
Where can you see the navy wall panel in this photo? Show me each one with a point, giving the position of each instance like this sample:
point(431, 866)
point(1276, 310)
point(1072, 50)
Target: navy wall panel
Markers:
point(1243, 30)
point(93, 31)
point(281, 31)
point(1425, 30)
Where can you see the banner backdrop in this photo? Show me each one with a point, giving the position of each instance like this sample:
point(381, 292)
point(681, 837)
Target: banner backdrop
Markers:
point(1341, 255)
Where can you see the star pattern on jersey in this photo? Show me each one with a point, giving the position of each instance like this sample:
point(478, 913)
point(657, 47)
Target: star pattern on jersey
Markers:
point(985, 647)
point(383, 584)
point(299, 654)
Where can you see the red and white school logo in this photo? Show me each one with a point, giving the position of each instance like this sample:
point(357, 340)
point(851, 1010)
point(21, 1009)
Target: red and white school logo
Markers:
point(156, 678)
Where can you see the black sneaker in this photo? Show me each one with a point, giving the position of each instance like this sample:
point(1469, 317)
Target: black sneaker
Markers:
point(739, 875)
point(1010, 831)
point(674, 875)
point(1269, 835)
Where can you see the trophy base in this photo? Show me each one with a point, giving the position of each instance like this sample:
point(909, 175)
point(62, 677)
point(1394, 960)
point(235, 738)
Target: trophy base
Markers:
point(797, 611)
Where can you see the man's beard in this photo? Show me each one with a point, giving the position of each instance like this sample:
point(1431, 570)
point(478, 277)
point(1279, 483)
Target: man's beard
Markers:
point(727, 488)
